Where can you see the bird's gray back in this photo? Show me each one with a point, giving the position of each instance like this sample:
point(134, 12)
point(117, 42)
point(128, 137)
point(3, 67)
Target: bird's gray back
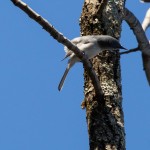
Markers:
point(104, 41)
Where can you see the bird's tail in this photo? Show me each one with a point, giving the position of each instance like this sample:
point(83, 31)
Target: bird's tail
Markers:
point(63, 78)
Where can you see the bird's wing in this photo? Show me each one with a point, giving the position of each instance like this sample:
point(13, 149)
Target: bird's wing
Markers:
point(78, 42)
point(83, 40)
point(75, 41)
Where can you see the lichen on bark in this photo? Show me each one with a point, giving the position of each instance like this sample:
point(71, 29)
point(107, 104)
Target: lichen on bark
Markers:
point(105, 119)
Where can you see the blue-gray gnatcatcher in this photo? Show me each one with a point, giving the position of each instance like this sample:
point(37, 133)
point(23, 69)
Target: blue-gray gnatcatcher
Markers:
point(91, 45)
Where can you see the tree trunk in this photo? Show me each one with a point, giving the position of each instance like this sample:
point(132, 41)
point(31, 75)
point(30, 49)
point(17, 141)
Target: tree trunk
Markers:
point(105, 118)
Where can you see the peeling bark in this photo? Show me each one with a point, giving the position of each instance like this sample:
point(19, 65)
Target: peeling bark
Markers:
point(105, 119)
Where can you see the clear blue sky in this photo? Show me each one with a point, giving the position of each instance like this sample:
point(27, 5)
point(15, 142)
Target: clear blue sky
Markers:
point(34, 115)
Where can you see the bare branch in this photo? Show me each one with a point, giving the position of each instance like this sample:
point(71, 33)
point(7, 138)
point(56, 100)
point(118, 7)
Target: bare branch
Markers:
point(141, 38)
point(135, 25)
point(61, 39)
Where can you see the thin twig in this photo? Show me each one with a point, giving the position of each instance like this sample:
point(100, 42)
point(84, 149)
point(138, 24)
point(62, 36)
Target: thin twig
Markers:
point(61, 39)
point(130, 51)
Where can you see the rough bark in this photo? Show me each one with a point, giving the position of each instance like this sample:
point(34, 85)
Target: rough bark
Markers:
point(105, 118)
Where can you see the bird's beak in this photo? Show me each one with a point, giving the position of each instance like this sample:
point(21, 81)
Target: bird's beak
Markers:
point(123, 48)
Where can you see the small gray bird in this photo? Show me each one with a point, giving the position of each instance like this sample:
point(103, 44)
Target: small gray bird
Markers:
point(91, 45)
